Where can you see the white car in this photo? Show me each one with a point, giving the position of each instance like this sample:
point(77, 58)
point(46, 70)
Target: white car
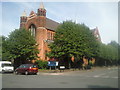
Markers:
point(6, 66)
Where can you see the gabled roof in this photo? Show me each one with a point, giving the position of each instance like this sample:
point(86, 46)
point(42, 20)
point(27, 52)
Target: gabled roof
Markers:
point(50, 24)
point(32, 13)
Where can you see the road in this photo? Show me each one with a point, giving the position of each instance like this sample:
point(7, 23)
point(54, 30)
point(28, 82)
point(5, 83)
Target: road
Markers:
point(94, 78)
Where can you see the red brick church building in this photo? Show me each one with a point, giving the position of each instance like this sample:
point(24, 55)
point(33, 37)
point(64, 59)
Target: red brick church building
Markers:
point(43, 29)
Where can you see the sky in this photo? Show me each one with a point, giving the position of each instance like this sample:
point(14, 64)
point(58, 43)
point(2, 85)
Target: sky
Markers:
point(103, 15)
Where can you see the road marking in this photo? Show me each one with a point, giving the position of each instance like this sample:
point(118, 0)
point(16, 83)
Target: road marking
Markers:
point(99, 75)
point(115, 77)
point(113, 68)
point(52, 73)
point(96, 76)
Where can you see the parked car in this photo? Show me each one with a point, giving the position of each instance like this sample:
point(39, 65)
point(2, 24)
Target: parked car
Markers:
point(6, 66)
point(27, 69)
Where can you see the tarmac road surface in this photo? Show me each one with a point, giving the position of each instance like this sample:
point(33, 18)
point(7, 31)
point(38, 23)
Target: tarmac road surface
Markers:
point(94, 78)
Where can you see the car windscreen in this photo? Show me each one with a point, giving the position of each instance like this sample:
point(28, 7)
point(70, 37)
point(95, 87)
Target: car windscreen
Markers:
point(34, 66)
point(23, 66)
point(27, 66)
point(6, 64)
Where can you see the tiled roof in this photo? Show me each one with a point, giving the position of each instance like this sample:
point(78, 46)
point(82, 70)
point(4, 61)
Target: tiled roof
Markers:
point(50, 24)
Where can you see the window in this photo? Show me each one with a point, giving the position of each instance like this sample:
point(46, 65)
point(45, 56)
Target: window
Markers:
point(48, 35)
point(45, 54)
point(32, 29)
point(51, 36)
point(6, 64)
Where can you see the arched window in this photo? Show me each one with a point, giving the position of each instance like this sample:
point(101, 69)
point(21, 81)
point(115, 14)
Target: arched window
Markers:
point(32, 29)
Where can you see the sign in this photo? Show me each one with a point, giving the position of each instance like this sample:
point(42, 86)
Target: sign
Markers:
point(52, 63)
point(56, 63)
point(62, 67)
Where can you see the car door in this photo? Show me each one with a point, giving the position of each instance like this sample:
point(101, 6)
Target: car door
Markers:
point(24, 68)
point(20, 69)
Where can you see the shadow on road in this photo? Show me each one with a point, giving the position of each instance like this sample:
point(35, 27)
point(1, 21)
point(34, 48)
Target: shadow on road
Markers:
point(6, 73)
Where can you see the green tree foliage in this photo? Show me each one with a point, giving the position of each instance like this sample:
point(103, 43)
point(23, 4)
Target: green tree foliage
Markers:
point(115, 51)
point(22, 46)
point(108, 54)
point(5, 54)
point(0, 47)
point(42, 64)
point(73, 39)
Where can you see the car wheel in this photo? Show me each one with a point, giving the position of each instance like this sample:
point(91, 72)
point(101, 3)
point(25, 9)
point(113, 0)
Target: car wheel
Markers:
point(2, 72)
point(16, 72)
point(26, 72)
point(35, 73)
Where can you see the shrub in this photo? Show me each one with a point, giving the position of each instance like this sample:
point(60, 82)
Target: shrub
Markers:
point(42, 64)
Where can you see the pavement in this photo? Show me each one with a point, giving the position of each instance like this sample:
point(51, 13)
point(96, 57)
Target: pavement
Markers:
point(72, 71)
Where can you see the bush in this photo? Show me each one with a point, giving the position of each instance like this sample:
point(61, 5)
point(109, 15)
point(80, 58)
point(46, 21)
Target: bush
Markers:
point(42, 64)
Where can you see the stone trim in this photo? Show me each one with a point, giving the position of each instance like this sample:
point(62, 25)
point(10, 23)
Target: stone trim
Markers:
point(41, 28)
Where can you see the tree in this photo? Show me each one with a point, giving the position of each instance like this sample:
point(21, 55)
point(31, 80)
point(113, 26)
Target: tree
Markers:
point(42, 64)
point(0, 47)
point(73, 39)
point(108, 54)
point(5, 54)
point(22, 46)
point(115, 51)
point(114, 44)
